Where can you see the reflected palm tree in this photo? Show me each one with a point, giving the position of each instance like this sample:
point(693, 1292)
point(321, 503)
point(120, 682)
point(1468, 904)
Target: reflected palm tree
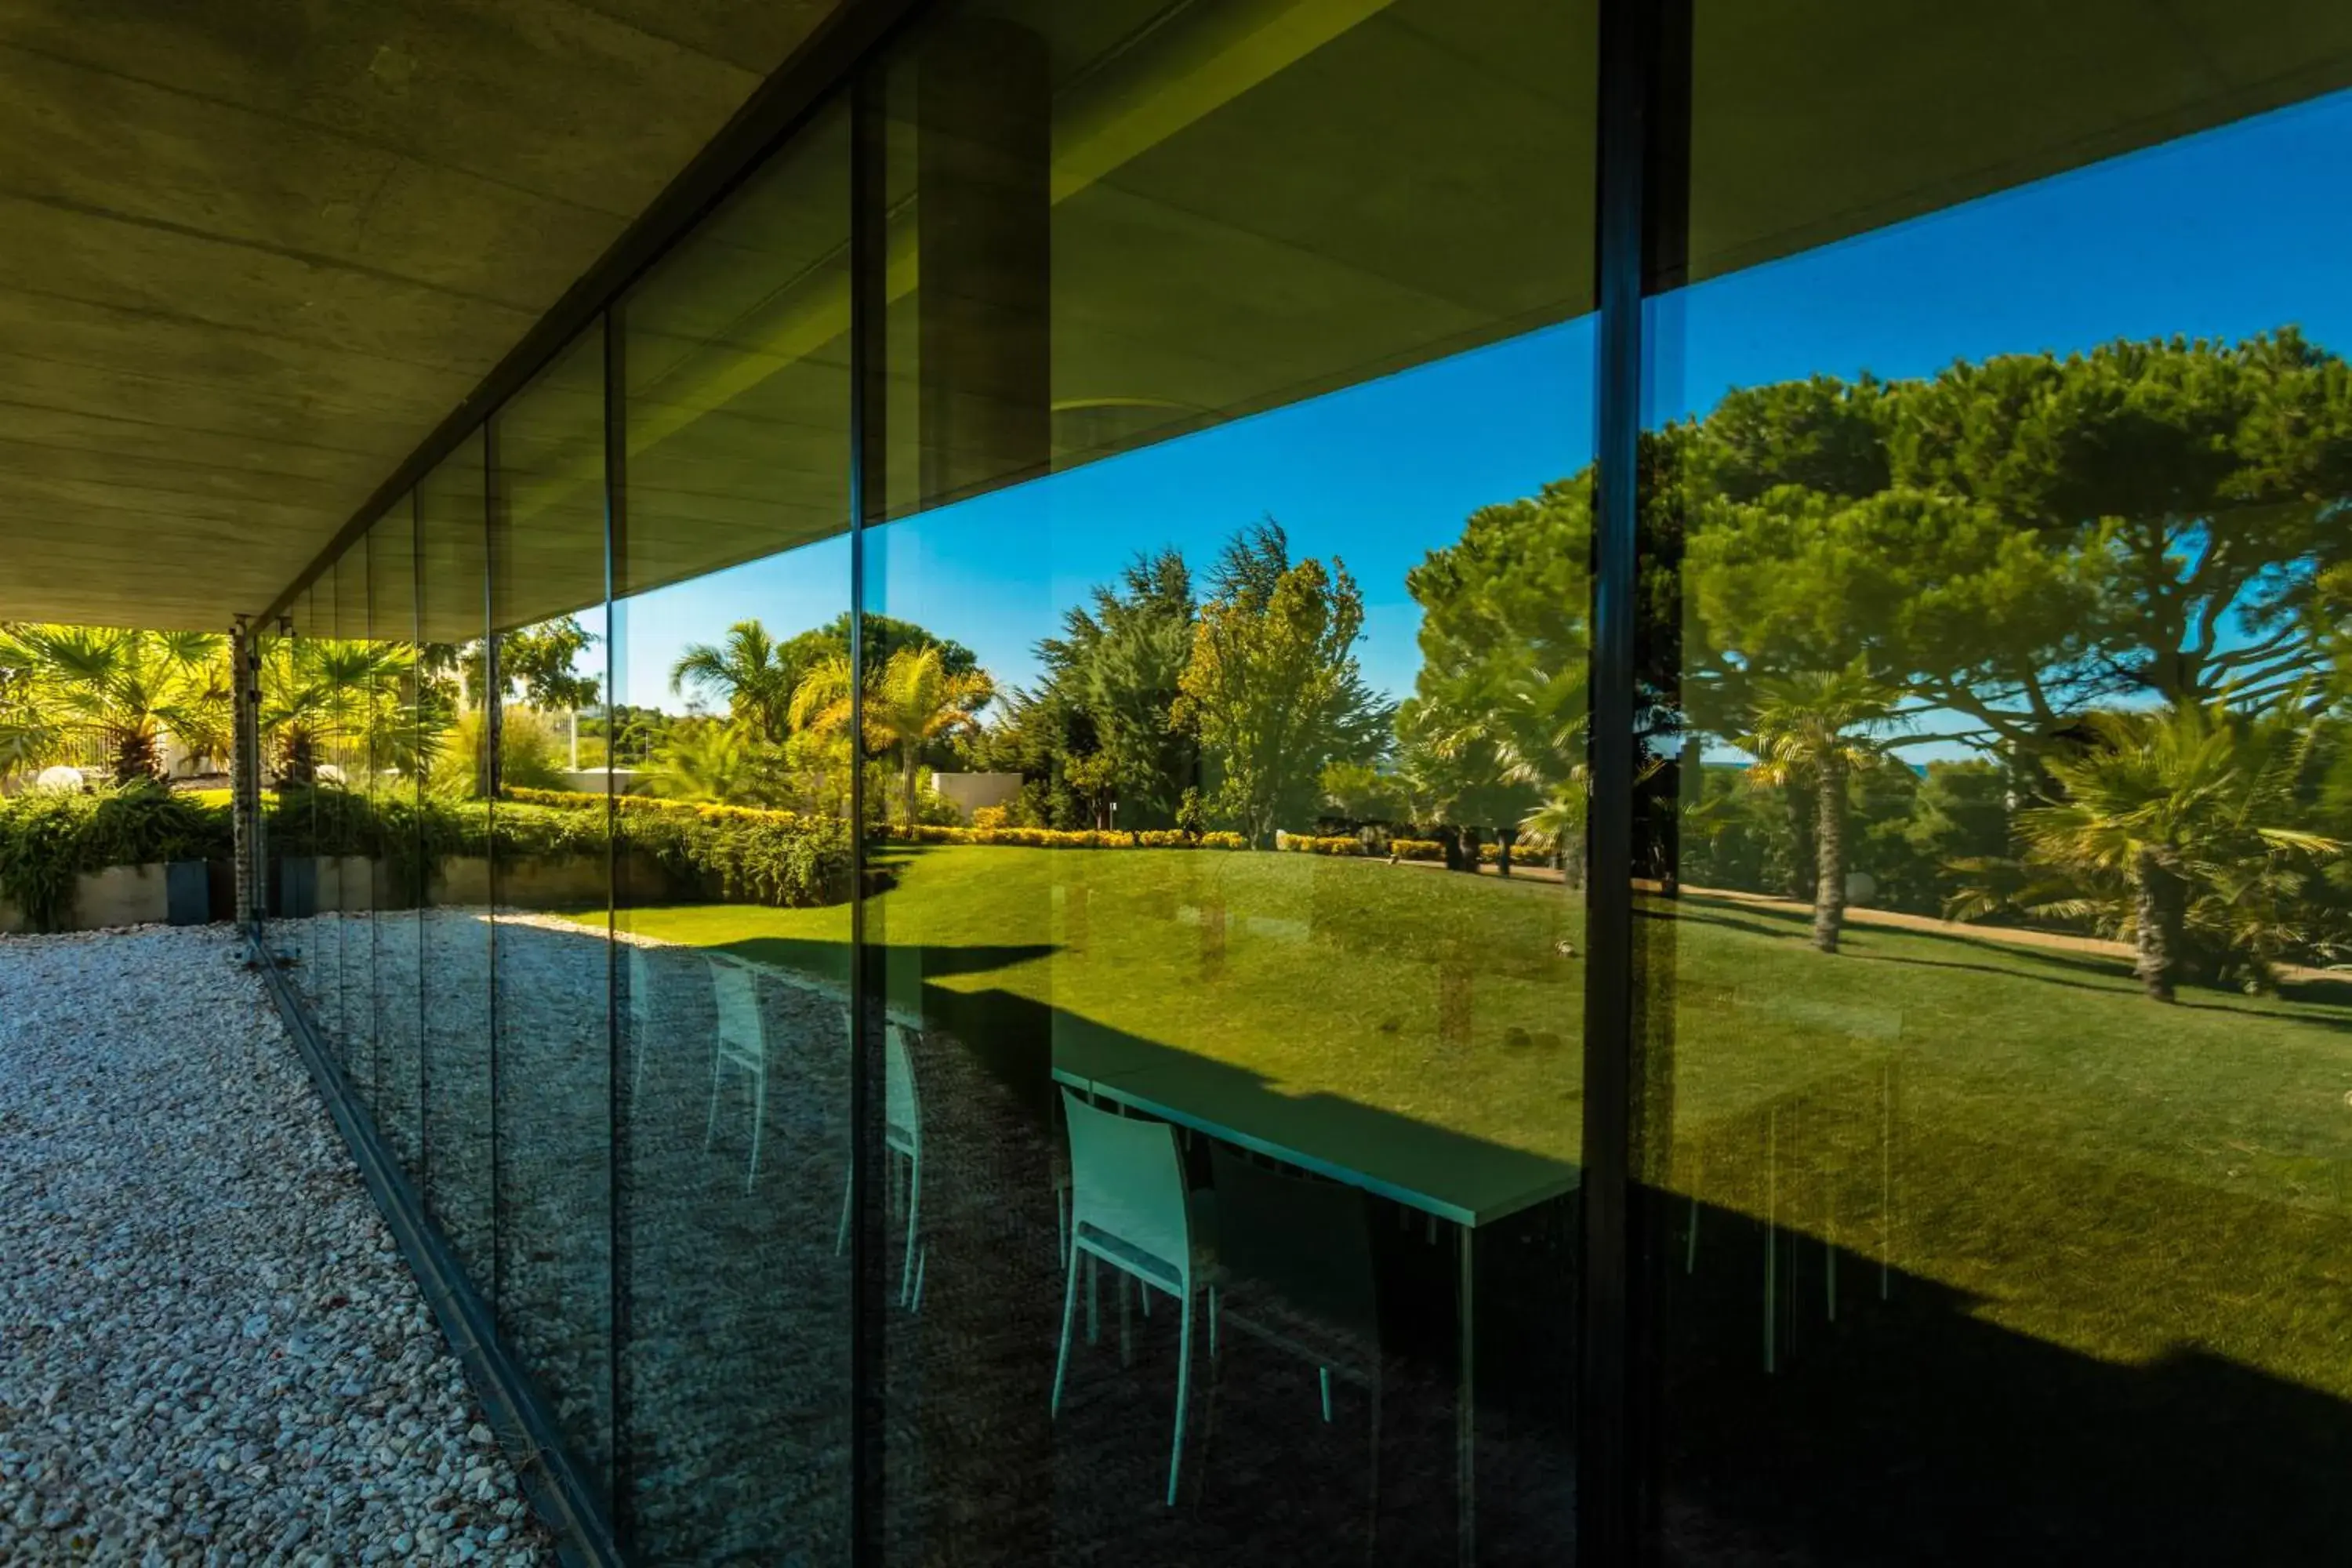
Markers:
point(1816, 731)
point(911, 701)
point(2177, 823)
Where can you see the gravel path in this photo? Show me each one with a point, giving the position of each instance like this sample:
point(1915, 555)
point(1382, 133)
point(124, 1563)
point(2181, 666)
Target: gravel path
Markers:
point(210, 1351)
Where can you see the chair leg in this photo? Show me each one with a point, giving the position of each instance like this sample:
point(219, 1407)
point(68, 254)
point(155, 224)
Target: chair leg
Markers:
point(1126, 1319)
point(759, 1076)
point(1094, 1294)
point(848, 1196)
point(711, 1124)
point(1069, 1314)
point(914, 1219)
point(922, 1261)
point(1372, 1514)
point(1324, 1374)
point(1213, 1323)
point(1183, 1392)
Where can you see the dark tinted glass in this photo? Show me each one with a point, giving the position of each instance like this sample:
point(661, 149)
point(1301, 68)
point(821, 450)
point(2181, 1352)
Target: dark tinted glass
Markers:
point(1994, 880)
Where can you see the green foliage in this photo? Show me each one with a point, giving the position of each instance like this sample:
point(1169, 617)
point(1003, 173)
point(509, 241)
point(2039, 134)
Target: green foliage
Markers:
point(120, 688)
point(1273, 686)
point(48, 838)
point(1306, 844)
point(1192, 815)
point(538, 662)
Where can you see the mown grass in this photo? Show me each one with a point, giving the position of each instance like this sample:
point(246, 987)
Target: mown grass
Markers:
point(2018, 1126)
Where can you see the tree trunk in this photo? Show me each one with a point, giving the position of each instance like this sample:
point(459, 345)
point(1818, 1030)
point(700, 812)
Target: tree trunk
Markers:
point(1470, 841)
point(1502, 838)
point(1450, 842)
point(2157, 893)
point(906, 770)
point(1804, 851)
point(1829, 836)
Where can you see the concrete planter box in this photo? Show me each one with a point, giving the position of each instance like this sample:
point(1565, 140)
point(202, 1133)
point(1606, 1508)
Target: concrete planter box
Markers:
point(117, 896)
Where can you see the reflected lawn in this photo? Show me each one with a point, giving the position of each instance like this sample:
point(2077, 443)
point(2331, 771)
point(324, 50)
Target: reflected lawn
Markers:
point(2018, 1125)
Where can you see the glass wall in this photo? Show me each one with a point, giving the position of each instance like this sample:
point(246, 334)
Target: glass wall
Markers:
point(1999, 1104)
point(404, 745)
point(460, 1125)
point(1228, 389)
point(956, 850)
point(731, 615)
point(550, 866)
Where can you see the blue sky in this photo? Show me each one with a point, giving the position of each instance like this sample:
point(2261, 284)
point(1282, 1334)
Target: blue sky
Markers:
point(2229, 233)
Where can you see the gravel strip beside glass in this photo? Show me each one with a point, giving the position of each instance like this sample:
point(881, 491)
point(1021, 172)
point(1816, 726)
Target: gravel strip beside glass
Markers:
point(210, 1349)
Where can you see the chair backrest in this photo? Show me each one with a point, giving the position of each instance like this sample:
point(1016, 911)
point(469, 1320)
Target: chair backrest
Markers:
point(1306, 1239)
point(737, 992)
point(900, 1104)
point(1126, 1183)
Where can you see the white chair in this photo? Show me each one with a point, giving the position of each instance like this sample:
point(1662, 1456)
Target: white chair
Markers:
point(743, 1043)
point(1130, 1208)
point(902, 1134)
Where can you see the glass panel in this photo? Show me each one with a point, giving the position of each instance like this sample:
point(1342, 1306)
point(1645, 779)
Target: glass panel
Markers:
point(349, 689)
point(549, 876)
point(732, 598)
point(1996, 1097)
point(294, 740)
point(1278, 681)
point(405, 732)
point(452, 587)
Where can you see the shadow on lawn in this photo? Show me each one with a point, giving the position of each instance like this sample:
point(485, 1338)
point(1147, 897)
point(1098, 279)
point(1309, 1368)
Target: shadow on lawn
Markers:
point(1911, 1430)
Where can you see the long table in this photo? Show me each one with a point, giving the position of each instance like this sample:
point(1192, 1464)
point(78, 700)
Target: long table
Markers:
point(1462, 1181)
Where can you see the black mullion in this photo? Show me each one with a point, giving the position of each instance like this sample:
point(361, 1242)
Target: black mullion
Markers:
point(493, 533)
point(416, 850)
point(868, 316)
point(1606, 1528)
point(618, 1083)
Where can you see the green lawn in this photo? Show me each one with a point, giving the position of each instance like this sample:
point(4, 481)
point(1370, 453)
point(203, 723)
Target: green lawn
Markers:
point(2018, 1126)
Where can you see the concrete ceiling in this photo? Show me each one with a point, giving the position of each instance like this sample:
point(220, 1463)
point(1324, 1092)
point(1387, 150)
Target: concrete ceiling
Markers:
point(251, 254)
point(247, 301)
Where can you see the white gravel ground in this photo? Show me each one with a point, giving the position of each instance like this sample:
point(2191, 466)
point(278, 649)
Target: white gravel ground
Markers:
point(210, 1351)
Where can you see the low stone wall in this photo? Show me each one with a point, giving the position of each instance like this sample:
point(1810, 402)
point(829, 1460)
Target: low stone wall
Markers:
point(117, 896)
point(139, 895)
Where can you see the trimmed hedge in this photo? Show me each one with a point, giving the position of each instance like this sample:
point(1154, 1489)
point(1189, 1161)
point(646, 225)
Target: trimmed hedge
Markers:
point(1058, 838)
point(1306, 844)
point(1416, 850)
point(46, 840)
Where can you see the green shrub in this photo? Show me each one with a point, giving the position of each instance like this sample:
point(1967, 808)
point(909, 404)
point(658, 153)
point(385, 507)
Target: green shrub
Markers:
point(772, 856)
point(47, 839)
point(1061, 838)
point(1305, 844)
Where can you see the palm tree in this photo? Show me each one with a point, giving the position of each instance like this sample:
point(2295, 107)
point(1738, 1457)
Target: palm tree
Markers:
point(748, 671)
point(705, 759)
point(1816, 731)
point(910, 703)
point(127, 686)
point(319, 692)
point(2177, 820)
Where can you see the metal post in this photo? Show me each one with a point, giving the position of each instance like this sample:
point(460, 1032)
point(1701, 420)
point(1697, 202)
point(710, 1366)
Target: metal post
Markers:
point(245, 776)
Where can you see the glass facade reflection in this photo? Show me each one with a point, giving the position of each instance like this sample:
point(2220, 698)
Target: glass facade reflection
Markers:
point(1051, 855)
